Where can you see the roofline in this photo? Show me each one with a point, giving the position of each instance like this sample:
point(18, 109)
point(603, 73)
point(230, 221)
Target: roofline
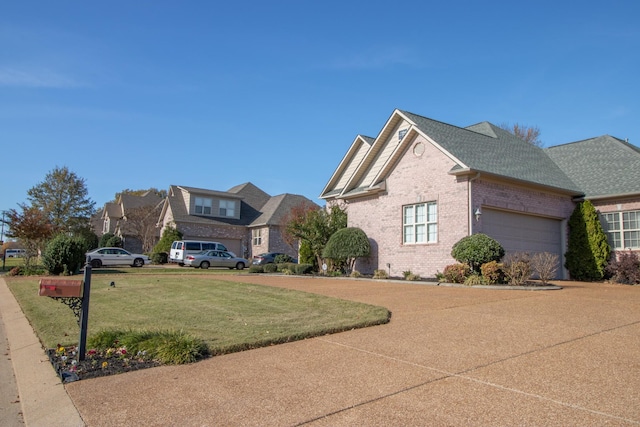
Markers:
point(612, 196)
point(479, 173)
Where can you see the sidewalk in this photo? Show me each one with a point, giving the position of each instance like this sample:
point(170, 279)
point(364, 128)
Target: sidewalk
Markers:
point(42, 396)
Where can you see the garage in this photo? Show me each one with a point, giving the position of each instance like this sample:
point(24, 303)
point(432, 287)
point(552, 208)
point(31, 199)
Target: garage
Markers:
point(518, 232)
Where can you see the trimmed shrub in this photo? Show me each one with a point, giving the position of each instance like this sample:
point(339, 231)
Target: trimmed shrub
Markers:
point(625, 268)
point(517, 268)
point(476, 250)
point(303, 268)
point(545, 265)
point(270, 268)
point(256, 269)
point(456, 273)
point(492, 272)
point(159, 257)
point(588, 249)
point(355, 274)
point(63, 255)
point(347, 245)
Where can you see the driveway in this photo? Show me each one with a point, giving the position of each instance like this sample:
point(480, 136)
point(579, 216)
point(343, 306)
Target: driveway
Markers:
point(449, 356)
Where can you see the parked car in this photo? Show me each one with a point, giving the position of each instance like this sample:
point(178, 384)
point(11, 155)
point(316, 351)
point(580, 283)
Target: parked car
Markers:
point(116, 256)
point(181, 248)
point(213, 258)
point(268, 258)
point(15, 253)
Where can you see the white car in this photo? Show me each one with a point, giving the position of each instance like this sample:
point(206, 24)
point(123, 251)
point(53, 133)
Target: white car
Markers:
point(116, 256)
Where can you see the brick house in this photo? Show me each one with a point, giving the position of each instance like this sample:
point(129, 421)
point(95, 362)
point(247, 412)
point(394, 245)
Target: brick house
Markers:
point(244, 218)
point(125, 218)
point(421, 185)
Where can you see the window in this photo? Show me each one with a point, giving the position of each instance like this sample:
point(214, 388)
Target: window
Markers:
point(106, 225)
point(623, 229)
point(203, 206)
point(227, 208)
point(420, 223)
point(257, 236)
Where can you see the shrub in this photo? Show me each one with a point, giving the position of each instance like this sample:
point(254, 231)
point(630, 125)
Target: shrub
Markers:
point(347, 244)
point(169, 235)
point(476, 250)
point(63, 255)
point(306, 254)
point(380, 274)
point(159, 257)
point(625, 268)
point(270, 268)
point(456, 273)
point(355, 274)
point(16, 271)
point(475, 280)
point(492, 272)
point(517, 268)
point(588, 250)
point(303, 268)
point(256, 269)
point(285, 266)
point(412, 277)
point(110, 240)
point(282, 259)
point(545, 265)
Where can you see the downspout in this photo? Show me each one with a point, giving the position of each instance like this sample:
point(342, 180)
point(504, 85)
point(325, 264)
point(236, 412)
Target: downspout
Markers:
point(469, 202)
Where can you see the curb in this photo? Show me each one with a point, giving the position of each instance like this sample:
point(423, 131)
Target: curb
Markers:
point(43, 398)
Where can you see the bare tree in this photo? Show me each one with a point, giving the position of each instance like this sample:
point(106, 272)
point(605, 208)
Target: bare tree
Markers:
point(140, 222)
point(530, 134)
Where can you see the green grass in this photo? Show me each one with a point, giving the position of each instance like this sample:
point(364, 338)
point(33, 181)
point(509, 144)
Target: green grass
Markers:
point(228, 316)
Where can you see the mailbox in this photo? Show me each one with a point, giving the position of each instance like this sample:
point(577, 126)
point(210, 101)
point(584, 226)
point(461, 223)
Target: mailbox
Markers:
point(60, 288)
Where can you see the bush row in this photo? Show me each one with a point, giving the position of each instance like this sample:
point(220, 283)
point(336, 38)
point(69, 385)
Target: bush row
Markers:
point(285, 268)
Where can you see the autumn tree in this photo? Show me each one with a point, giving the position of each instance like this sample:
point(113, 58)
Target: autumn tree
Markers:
point(530, 134)
point(63, 198)
point(32, 227)
point(314, 226)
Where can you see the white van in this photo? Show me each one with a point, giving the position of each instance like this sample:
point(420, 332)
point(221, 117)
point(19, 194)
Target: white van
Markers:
point(15, 253)
point(181, 248)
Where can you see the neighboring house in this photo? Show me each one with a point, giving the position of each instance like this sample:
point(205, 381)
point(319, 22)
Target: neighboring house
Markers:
point(133, 219)
point(422, 185)
point(244, 218)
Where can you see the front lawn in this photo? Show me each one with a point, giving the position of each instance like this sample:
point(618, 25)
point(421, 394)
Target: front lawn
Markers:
point(227, 316)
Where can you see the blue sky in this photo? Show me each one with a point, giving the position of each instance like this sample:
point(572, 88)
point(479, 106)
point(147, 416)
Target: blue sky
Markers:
point(214, 94)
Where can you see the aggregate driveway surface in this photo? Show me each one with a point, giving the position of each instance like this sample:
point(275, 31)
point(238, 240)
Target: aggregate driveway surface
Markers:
point(449, 356)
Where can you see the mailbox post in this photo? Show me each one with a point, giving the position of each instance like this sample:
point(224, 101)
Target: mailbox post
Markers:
point(75, 294)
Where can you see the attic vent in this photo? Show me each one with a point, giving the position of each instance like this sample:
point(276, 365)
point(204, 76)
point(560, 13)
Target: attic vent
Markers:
point(401, 134)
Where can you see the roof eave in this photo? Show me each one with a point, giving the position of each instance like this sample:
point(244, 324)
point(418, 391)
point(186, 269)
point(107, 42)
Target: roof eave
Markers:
point(477, 173)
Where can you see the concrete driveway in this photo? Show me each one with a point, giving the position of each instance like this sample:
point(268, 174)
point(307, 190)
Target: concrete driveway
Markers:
point(450, 356)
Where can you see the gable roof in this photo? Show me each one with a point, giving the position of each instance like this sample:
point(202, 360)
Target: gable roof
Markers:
point(257, 207)
point(481, 148)
point(603, 166)
point(278, 207)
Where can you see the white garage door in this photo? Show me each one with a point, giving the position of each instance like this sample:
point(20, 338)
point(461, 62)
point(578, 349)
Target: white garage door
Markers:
point(517, 232)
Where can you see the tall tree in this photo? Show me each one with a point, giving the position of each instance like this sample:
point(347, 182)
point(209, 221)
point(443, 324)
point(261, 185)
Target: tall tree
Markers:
point(32, 227)
point(588, 250)
point(63, 197)
point(314, 226)
point(530, 134)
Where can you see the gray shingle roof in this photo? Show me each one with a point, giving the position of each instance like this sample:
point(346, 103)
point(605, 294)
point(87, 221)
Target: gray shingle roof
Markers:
point(602, 166)
point(278, 207)
point(485, 147)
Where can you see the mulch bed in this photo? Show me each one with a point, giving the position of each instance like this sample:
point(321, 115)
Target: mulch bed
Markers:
point(96, 363)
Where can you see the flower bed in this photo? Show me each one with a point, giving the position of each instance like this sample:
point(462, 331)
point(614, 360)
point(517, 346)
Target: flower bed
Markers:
point(97, 363)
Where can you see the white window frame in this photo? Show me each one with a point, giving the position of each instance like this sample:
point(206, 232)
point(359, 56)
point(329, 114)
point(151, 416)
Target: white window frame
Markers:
point(420, 223)
point(622, 228)
point(202, 205)
point(257, 236)
point(227, 208)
